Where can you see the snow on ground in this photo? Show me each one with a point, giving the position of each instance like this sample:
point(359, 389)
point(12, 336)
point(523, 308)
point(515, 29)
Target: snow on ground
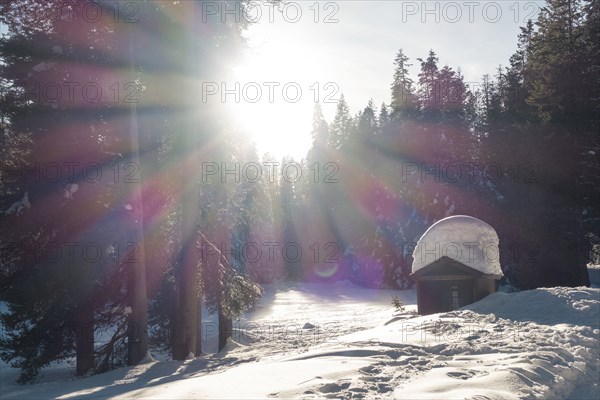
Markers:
point(341, 341)
point(465, 239)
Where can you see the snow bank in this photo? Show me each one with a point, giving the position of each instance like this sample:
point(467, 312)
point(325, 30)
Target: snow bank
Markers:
point(499, 348)
point(465, 239)
point(550, 306)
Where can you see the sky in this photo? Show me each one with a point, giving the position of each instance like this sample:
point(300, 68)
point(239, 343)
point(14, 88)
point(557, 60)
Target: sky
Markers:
point(304, 51)
point(299, 52)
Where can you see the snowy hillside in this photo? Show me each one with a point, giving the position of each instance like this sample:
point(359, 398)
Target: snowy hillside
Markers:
point(341, 341)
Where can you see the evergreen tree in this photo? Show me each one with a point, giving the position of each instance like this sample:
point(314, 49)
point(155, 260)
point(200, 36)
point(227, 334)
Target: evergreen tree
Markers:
point(489, 103)
point(429, 87)
point(383, 118)
point(515, 86)
point(341, 126)
point(56, 303)
point(319, 135)
point(367, 124)
point(558, 65)
point(404, 102)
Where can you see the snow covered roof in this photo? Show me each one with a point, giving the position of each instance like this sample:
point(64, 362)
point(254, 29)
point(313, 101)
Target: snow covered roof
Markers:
point(465, 239)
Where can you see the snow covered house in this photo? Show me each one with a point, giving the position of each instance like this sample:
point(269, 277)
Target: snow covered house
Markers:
point(455, 262)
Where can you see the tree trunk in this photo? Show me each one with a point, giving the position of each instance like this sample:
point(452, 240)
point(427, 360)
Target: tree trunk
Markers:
point(84, 339)
point(198, 352)
point(225, 329)
point(137, 328)
point(187, 318)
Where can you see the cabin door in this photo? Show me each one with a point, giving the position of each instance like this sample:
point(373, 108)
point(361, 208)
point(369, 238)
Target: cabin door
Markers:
point(458, 294)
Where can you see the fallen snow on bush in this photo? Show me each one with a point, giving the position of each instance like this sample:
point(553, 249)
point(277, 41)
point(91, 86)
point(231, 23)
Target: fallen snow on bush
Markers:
point(340, 341)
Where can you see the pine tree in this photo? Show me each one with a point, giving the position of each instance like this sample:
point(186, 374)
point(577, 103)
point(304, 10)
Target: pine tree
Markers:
point(490, 101)
point(319, 135)
point(56, 303)
point(559, 64)
point(202, 60)
point(341, 126)
point(515, 86)
point(61, 304)
point(367, 124)
point(384, 118)
point(404, 102)
point(429, 87)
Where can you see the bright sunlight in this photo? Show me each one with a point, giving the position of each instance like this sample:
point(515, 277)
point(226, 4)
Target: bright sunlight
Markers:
point(273, 110)
point(277, 86)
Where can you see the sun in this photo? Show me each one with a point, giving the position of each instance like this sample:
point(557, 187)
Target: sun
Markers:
point(272, 100)
point(278, 128)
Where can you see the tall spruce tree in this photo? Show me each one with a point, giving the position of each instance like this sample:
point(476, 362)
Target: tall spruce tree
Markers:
point(404, 102)
point(56, 303)
point(341, 126)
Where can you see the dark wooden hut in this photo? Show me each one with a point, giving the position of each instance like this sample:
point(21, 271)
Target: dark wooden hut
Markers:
point(446, 284)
